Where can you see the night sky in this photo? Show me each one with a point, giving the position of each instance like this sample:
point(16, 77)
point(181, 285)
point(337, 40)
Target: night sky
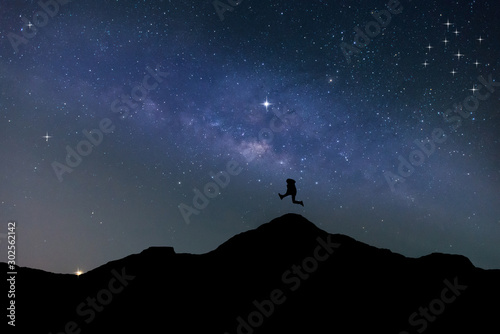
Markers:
point(116, 115)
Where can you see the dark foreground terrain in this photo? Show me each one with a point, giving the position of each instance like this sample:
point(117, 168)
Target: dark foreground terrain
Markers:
point(287, 276)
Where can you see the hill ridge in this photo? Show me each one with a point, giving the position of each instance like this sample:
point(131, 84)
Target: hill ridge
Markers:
point(304, 274)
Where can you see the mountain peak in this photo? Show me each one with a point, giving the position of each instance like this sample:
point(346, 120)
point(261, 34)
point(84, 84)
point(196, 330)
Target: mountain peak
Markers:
point(285, 232)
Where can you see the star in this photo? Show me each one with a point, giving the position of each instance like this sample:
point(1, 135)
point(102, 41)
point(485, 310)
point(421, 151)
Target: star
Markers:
point(266, 104)
point(474, 89)
point(30, 25)
point(46, 136)
point(429, 47)
point(445, 41)
point(477, 63)
point(425, 63)
point(456, 32)
point(448, 24)
point(480, 39)
point(458, 55)
point(453, 72)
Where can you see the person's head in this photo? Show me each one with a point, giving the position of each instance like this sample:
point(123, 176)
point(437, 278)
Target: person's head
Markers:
point(290, 181)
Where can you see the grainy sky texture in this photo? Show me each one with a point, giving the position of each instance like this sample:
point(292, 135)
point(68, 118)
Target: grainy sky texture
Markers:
point(129, 124)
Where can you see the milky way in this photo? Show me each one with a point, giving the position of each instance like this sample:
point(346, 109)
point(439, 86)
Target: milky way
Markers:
point(126, 125)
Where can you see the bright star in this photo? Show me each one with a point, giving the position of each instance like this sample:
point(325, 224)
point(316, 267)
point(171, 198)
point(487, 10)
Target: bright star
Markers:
point(448, 24)
point(46, 136)
point(477, 63)
point(458, 55)
point(456, 32)
point(453, 72)
point(425, 63)
point(429, 47)
point(480, 39)
point(445, 41)
point(474, 89)
point(266, 104)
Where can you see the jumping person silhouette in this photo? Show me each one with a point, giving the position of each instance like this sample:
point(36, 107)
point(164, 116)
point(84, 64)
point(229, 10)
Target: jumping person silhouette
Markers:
point(291, 190)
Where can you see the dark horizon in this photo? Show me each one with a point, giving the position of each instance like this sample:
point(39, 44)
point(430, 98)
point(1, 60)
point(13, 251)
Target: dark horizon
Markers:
point(285, 276)
point(287, 216)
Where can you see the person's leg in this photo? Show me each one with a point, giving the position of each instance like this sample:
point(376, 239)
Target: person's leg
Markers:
point(297, 202)
point(285, 195)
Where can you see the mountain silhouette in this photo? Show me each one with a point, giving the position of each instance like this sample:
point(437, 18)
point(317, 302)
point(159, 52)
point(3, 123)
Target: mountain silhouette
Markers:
point(286, 276)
